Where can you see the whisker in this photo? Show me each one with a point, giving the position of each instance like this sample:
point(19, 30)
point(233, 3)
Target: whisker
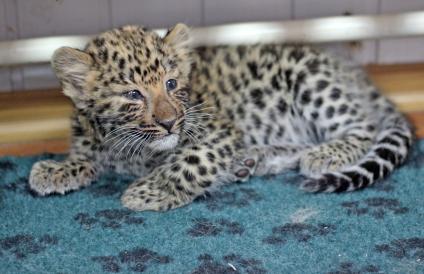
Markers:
point(199, 108)
point(116, 137)
point(192, 138)
point(141, 145)
point(117, 145)
point(119, 129)
point(140, 141)
point(195, 123)
point(196, 126)
point(136, 143)
point(149, 155)
point(127, 141)
point(200, 112)
point(120, 134)
point(199, 116)
point(198, 105)
point(131, 144)
point(121, 141)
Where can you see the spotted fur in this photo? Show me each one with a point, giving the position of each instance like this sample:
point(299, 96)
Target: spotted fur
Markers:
point(235, 111)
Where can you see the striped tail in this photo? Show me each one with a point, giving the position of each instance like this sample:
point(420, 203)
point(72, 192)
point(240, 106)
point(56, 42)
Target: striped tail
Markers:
point(390, 151)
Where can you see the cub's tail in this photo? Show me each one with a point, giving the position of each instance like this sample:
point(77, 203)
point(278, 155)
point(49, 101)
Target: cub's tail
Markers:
point(390, 150)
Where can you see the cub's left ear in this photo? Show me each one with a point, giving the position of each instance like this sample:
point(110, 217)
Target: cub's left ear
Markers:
point(178, 37)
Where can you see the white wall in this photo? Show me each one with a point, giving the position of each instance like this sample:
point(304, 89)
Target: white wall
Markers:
point(226, 11)
point(4, 72)
point(401, 50)
point(33, 18)
point(366, 51)
point(156, 13)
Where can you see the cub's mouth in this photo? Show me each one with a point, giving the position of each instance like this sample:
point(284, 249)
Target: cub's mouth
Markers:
point(166, 142)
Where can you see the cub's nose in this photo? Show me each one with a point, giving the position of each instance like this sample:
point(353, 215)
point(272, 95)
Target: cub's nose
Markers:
point(166, 124)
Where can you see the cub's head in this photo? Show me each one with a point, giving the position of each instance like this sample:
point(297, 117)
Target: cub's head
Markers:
point(130, 83)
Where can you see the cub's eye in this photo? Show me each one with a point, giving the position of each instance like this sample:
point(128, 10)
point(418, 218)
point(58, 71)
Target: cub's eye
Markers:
point(133, 95)
point(171, 84)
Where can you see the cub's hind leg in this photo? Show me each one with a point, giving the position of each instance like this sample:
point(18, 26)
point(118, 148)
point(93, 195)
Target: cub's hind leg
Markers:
point(337, 153)
point(271, 159)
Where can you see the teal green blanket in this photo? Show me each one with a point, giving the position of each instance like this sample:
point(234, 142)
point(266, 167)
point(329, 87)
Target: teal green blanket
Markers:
point(265, 225)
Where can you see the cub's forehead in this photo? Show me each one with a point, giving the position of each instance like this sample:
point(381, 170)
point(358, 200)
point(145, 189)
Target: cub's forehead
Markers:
point(129, 43)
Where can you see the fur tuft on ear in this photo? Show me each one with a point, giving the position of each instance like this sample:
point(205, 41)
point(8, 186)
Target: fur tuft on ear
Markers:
point(178, 37)
point(71, 67)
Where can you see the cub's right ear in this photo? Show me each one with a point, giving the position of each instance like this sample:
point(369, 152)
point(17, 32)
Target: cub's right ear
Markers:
point(71, 67)
point(178, 36)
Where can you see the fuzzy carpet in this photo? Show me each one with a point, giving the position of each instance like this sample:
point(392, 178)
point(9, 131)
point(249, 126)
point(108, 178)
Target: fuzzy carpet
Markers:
point(264, 226)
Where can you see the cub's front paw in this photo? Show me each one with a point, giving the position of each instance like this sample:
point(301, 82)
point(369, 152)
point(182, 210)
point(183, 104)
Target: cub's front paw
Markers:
point(140, 196)
point(146, 194)
point(49, 176)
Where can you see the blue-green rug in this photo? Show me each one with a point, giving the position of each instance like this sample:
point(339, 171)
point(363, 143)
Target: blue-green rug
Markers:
point(265, 225)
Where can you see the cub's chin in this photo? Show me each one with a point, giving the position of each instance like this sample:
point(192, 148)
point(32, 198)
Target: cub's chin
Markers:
point(165, 143)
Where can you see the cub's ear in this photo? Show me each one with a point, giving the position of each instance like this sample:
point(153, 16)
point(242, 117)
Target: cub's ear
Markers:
point(178, 37)
point(71, 67)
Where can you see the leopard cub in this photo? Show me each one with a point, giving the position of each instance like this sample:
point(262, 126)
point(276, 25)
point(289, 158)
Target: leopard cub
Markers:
point(186, 120)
